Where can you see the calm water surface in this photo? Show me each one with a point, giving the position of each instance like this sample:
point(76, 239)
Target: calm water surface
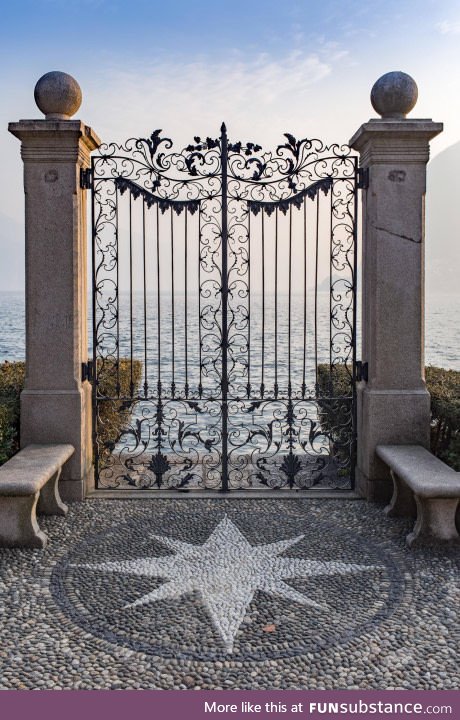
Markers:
point(442, 330)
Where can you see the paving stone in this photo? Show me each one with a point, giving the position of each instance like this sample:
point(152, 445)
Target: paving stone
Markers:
point(168, 593)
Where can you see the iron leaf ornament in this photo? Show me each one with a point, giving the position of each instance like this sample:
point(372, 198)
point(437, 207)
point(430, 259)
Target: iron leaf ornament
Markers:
point(280, 441)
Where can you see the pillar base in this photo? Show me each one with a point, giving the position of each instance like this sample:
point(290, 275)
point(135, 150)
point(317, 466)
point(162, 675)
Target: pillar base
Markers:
point(387, 417)
point(373, 489)
point(72, 490)
point(61, 416)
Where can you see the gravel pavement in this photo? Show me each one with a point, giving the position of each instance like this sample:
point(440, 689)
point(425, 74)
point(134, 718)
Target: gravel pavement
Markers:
point(229, 594)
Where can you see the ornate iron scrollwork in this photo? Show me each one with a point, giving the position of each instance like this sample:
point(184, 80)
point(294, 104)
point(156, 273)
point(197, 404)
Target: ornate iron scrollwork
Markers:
point(200, 381)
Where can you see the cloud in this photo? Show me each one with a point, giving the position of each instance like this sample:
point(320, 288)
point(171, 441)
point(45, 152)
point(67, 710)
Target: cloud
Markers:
point(448, 28)
point(256, 97)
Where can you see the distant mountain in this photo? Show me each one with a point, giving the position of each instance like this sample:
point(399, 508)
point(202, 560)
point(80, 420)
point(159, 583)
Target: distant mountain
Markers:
point(11, 254)
point(443, 222)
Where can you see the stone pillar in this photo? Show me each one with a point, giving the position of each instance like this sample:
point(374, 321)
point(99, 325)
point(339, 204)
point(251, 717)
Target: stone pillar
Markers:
point(394, 405)
point(56, 404)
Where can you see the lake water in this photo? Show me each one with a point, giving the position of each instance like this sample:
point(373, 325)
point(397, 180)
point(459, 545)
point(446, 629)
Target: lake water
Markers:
point(442, 338)
point(127, 465)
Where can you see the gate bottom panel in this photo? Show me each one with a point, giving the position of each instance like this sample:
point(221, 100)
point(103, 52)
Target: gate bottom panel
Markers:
point(177, 444)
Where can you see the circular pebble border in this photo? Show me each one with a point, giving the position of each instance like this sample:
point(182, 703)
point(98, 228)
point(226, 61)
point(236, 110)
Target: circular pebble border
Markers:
point(413, 644)
point(273, 627)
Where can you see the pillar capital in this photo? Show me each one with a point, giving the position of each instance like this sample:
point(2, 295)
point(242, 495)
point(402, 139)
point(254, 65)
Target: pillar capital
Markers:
point(384, 141)
point(55, 140)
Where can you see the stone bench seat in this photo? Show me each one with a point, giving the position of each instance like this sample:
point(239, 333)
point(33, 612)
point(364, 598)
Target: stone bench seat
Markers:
point(29, 484)
point(423, 487)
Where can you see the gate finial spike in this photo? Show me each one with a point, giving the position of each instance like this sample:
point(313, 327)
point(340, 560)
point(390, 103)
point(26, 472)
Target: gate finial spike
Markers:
point(223, 128)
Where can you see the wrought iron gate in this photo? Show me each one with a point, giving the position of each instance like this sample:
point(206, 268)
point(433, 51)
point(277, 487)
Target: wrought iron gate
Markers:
point(224, 321)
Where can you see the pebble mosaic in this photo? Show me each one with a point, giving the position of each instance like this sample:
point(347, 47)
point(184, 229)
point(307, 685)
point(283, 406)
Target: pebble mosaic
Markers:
point(222, 593)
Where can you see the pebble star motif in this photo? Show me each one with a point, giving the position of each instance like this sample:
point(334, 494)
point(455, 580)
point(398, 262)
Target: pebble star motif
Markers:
point(227, 571)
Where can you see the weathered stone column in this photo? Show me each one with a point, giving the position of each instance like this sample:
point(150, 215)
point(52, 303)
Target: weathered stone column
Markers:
point(56, 404)
point(394, 405)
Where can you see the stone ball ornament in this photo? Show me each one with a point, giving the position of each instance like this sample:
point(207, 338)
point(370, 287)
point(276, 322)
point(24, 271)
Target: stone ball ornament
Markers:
point(58, 95)
point(394, 95)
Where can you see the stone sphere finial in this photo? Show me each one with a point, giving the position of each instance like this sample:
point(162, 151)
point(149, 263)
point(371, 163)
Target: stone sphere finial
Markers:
point(58, 95)
point(394, 95)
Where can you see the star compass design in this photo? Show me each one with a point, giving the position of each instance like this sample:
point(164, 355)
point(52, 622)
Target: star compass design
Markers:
point(226, 571)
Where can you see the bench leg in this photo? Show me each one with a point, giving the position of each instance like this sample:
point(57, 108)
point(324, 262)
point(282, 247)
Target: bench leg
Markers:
point(435, 520)
point(50, 502)
point(402, 504)
point(18, 522)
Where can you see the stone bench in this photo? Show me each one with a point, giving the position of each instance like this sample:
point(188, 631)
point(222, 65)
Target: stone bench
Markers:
point(29, 484)
point(425, 488)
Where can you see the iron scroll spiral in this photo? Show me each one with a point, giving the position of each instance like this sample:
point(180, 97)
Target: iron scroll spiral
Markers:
point(279, 432)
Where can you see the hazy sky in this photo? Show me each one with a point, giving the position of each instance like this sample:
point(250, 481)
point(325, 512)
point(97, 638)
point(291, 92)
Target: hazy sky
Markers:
point(263, 66)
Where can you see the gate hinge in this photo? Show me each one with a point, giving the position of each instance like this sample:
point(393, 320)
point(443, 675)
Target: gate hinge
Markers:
point(363, 178)
point(86, 178)
point(87, 371)
point(362, 371)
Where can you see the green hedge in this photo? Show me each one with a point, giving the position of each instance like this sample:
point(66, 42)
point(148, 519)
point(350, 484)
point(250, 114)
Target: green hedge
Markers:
point(443, 386)
point(113, 414)
point(12, 375)
point(334, 413)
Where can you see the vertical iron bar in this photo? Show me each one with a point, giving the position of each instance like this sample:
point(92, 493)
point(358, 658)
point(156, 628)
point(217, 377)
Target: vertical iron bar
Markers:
point(200, 384)
point(316, 292)
point(331, 232)
point(330, 389)
point(224, 280)
point(173, 359)
point(185, 300)
point(262, 385)
point(304, 294)
point(248, 386)
point(118, 387)
point(158, 304)
point(290, 406)
point(159, 407)
point(94, 328)
point(146, 386)
point(276, 303)
point(290, 300)
point(354, 331)
point(131, 383)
